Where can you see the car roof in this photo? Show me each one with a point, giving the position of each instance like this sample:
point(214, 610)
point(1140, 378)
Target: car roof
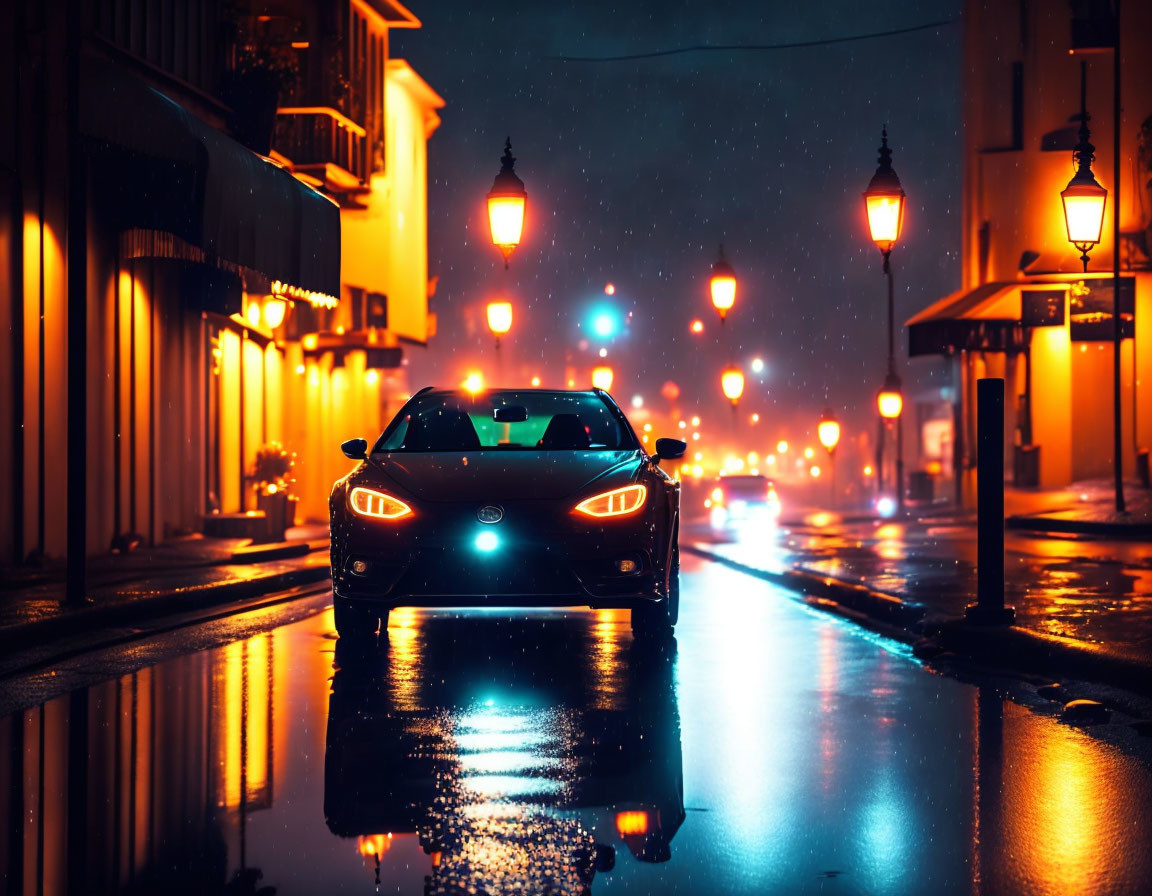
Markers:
point(435, 390)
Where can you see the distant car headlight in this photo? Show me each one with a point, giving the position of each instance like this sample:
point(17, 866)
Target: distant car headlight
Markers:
point(618, 502)
point(369, 502)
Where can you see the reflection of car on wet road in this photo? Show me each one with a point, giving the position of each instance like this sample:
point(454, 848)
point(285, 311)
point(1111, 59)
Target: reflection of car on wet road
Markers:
point(737, 499)
point(554, 770)
point(528, 497)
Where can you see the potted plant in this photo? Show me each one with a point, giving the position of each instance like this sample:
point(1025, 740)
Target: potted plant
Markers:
point(272, 480)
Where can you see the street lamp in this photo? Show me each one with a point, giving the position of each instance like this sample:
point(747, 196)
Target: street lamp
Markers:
point(884, 205)
point(1084, 198)
point(732, 382)
point(828, 431)
point(506, 201)
point(722, 285)
point(602, 378)
point(275, 308)
point(890, 403)
point(890, 400)
point(1084, 214)
point(499, 319)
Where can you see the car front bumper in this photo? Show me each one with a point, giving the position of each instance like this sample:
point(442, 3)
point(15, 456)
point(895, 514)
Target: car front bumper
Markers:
point(444, 556)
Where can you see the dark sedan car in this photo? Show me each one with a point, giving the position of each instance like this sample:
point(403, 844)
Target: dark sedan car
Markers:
point(526, 497)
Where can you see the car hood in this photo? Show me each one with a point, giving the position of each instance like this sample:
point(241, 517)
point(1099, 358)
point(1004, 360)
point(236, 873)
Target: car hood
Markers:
point(506, 475)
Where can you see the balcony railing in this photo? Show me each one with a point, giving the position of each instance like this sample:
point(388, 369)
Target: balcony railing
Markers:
point(325, 143)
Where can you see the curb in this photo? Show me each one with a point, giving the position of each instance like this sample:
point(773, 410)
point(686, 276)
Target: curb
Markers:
point(1042, 523)
point(1012, 647)
point(133, 610)
point(261, 553)
point(888, 608)
point(1028, 651)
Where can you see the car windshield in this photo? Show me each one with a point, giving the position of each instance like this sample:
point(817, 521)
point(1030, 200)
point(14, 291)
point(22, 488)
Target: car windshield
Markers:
point(536, 420)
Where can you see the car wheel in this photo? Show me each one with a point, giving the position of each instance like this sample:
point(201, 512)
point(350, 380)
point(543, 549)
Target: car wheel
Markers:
point(651, 620)
point(356, 620)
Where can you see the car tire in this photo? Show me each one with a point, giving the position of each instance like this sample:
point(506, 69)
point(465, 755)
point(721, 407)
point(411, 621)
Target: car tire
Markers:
point(655, 621)
point(651, 620)
point(356, 620)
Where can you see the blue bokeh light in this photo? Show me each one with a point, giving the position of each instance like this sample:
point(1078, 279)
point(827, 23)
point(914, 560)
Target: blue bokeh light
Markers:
point(604, 324)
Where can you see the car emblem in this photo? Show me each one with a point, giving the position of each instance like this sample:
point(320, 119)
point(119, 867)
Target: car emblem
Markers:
point(490, 514)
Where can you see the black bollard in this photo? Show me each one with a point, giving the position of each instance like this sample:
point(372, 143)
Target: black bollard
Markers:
point(989, 608)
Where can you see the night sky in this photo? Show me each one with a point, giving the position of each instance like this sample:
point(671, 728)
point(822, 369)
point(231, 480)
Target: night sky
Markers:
point(637, 170)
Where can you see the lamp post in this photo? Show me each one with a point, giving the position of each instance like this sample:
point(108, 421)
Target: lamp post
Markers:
point(722, 285)
point(499, 319)
point(828, 431)
point(884, 206)
point(506, 202)
point(1084, 200)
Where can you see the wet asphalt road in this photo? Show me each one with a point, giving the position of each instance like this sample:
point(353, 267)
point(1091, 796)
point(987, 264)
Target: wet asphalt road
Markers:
point(1090, 589)
point(773, 749)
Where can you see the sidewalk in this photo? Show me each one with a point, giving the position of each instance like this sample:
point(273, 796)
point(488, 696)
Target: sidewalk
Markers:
point(175, 576)
point(1089, 596)
point(1087, 508)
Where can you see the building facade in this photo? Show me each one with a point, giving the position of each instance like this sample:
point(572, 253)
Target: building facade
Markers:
point(1027, 311)
point(176, 182)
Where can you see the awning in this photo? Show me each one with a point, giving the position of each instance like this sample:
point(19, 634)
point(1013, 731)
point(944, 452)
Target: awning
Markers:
point(995, 317)
point(986, 318)
point(163, 169)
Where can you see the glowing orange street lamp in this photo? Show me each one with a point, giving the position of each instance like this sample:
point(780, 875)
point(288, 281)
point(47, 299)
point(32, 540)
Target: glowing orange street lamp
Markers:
point(1084, 198)
point(499, 319)
point(884, 202)
point(732, 382)
point(506, 201)
point(890, 400)
point(828, 431)
point(890, 403)
point(722, 285)
point(275, 309)
point(884, 205)
point(602, 378)
point(474, 382)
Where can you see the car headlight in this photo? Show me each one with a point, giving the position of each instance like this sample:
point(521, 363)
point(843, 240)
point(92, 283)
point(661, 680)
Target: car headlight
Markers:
point(369, 502)
point(618, 502)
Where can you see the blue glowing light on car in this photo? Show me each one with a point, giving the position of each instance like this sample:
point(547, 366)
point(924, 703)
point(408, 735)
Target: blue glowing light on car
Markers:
point(487, 541)
point(886, 507)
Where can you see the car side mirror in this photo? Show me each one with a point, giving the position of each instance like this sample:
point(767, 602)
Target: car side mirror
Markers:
point(670, 449)
point(356, 449)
